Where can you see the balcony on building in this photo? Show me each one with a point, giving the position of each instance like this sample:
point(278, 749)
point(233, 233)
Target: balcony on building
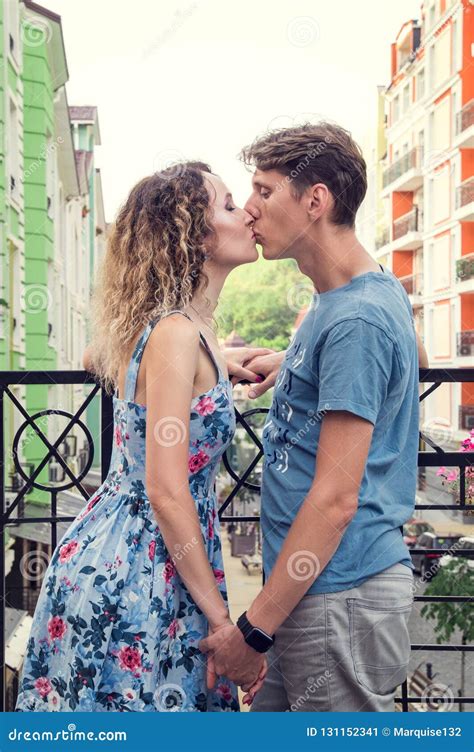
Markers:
point(466, 417)
point(464, 137)
point(413, 284)
point(465, 274)
point(382, 239)
point(405, 174)
point(465, 343)
point(465, 201)
point(406, 234)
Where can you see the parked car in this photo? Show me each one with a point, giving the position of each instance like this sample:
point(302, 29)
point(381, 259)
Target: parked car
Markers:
point(464, 543)
point(427, 564)
point(413, 529)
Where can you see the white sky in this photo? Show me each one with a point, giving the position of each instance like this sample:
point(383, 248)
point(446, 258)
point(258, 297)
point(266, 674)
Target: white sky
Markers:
point(198, 79)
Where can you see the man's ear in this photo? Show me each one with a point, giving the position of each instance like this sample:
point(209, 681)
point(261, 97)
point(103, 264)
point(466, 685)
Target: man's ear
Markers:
point(317, 200)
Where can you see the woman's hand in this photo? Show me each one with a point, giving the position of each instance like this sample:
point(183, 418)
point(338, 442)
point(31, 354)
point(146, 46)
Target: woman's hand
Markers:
point(237, 359)
point(267, 365)
point(211, 671)
point(248, 698)
point(250, 690)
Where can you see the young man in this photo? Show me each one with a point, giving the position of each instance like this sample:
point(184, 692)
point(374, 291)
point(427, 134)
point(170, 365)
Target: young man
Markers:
point(340, 441)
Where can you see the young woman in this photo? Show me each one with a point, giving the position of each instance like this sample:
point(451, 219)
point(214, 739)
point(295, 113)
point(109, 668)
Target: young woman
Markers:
point(137, 580)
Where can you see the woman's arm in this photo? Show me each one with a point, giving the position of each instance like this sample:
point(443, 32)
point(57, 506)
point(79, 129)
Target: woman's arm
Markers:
point(172, 352)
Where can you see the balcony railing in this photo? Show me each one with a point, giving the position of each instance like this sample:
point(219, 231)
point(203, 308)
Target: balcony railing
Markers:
point(413, 284)
point(465, 268)
point(243, 480)
point(382, 239)
point(412, 159)
point(409, 222)
point(465, 343)
point(465, 193)
point(466, 417)
point(465, 118)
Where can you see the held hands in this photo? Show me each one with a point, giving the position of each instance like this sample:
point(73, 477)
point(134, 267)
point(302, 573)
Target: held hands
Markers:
point(229, 655)
point(251, 364)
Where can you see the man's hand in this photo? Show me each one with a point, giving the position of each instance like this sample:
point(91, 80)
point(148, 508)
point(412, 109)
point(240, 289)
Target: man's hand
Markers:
point(268, 366)
point(230, 656)
point(237, 359)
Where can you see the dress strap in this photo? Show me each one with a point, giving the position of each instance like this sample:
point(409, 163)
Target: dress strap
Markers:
point(211, 355)
point(135, 360)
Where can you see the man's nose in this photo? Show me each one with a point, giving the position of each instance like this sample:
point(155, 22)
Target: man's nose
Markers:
point(251, 208)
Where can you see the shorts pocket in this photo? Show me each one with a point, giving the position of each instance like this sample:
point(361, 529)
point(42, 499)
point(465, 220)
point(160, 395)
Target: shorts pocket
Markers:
point(379, 642)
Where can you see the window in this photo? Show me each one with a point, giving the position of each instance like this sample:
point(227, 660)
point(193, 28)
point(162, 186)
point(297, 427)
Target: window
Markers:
point(12, 23)
point(17, 288)
point(421, 147)
point(396, 108)
point(13, 154)
point(454, 46)
point(406, 97)
point(50, 171)
point(420, 84)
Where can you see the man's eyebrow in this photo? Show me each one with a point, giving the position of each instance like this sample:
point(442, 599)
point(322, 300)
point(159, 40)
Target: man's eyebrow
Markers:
point(259, 184)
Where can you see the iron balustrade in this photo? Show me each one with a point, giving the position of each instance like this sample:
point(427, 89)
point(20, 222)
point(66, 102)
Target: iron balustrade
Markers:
point(434, 457)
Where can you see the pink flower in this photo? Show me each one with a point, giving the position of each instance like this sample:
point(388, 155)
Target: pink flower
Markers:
point(43, 685)
point(118, 436)
point(151, 549)
point(219, 575)
point(129, 658)
point(441, 471)
point(57, 628)
point(68, 550)
point(467, 445)
point(197, 461)
point(210, 524)
point(206, 406)
point(169, 571)
point(452, 476)
point(224, 691)
point(173, 628)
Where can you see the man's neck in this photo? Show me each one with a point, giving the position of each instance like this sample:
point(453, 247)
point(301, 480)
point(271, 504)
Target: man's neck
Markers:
point(332, 261)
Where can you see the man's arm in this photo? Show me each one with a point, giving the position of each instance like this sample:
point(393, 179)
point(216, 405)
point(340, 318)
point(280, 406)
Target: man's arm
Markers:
point(323, 517)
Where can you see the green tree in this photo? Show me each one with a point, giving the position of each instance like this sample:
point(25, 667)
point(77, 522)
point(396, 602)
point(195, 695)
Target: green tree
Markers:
point(454, 578)
point(260, 302)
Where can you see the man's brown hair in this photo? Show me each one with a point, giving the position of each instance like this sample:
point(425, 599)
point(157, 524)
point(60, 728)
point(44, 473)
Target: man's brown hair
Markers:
point(320, 153)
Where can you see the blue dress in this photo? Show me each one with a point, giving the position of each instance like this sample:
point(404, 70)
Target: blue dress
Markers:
point(115, 628)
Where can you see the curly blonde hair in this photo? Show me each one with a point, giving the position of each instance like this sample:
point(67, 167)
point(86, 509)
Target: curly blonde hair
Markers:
point(153, 262)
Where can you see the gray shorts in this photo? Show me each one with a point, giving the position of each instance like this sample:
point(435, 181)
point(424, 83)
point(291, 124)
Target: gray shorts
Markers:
point(345, 651)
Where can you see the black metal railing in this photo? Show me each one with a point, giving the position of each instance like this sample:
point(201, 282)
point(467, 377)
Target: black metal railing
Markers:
point(434, 457)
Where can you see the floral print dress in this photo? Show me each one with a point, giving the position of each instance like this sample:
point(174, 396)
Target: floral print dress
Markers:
point(115, 628)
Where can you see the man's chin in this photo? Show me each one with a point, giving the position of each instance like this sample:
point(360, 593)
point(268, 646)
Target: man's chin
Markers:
point(268, 253)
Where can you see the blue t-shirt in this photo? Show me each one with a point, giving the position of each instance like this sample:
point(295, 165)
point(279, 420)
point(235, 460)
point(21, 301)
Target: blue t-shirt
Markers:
point(355, 350)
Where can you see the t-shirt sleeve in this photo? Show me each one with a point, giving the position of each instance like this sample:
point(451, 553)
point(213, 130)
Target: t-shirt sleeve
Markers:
point(354, 367)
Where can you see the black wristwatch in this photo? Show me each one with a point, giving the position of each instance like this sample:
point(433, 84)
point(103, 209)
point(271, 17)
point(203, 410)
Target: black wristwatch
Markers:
point(254, 636)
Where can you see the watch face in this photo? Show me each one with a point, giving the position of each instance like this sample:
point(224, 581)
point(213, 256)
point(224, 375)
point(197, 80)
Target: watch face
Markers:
point(260, 641)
